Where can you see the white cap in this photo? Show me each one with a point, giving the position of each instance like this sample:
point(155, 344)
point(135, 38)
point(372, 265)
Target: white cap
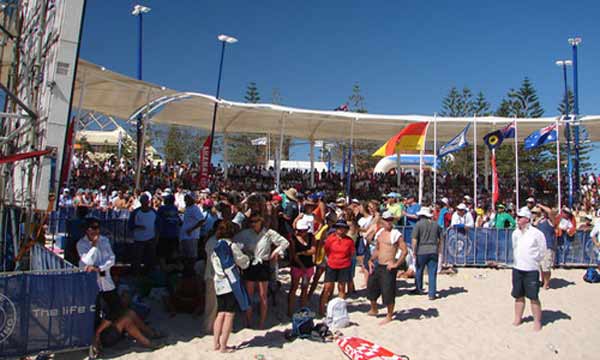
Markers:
point(303, 224)
point(524, 212)
point(589, 217)
point(387, 215)
point(103, 187)
point(467, 197)
point(355, 201)
point(425, 211)
point(461, 206)
point(445, 200)
point(530, 199)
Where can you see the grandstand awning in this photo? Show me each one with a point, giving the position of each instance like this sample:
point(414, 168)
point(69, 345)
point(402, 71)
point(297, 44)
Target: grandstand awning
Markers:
point(121, 96)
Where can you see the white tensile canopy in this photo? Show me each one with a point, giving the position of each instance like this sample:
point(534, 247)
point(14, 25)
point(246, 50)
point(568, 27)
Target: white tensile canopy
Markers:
point(111, 93)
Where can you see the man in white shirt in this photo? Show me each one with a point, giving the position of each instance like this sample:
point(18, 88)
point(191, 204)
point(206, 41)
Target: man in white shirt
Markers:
point(529, 248)
point(190, 229)
point(462, 217)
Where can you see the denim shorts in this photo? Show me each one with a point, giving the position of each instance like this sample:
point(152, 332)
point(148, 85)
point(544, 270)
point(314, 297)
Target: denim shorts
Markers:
point(525, 284)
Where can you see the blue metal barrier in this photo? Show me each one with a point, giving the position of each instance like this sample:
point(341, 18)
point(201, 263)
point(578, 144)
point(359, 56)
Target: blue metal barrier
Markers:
point(49, 309)
point(480, 246)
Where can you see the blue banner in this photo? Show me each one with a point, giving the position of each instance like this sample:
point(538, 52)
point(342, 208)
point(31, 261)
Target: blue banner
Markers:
point(46, 312)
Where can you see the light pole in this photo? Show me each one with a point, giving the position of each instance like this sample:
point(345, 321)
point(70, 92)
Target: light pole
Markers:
point(224, 39)
point(139, 11)
point(564, 64)
point(574, 42)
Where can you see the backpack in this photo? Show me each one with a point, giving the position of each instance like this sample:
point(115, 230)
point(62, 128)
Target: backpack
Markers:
point(337, 314)
point(302, 323)
point(591, 276)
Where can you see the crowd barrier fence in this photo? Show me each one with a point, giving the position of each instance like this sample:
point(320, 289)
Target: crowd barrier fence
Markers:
point(50, 308)
point(462, 246)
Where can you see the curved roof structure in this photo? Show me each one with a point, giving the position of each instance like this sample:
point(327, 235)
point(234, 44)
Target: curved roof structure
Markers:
point(124, 97)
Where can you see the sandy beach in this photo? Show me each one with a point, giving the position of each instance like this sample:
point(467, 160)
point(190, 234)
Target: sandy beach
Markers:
point(471, 320)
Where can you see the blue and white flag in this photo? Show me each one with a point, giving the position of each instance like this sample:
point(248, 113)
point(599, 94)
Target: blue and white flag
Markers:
point(457, 143)
point(541, 137)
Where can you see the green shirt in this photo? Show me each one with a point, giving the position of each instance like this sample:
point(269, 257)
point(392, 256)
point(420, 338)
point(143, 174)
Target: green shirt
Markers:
point(395, 209)
point(501, 219)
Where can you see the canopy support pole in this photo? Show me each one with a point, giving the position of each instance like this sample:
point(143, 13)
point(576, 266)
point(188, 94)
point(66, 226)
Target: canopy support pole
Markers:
point(225, 156)
point(435, 159)
point(475, 161)
point(398, 171)
point(280, 152)
point(312, 162)
point(349, 175)
point(486, 168)
point(141, 147)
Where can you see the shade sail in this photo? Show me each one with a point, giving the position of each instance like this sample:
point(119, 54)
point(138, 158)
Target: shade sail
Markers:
point(121, 96)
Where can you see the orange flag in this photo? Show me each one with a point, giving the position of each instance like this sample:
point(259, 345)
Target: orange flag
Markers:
point(412, 137)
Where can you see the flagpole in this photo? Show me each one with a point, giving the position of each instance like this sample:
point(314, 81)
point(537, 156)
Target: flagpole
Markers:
point(559, 190)
point(435, 159)
point(398, 170)
point(517, 163)
point(422, 151)
point(475, 162)
point(349, 178)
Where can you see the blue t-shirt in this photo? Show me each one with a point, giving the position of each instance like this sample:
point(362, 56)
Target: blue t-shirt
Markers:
point(413, 210)
point(168, 221)
point(209, 222)
point(548, 230)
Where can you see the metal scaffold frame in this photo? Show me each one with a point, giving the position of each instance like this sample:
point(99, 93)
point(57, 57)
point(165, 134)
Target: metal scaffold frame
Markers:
point(39, 45)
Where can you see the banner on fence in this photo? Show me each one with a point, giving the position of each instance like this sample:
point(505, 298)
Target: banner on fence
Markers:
point(45, 312)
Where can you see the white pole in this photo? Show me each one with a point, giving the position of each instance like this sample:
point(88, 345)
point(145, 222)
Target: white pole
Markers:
point(225, 156)
point(421, 167)
point(475, 161)
point(558, 163)
point(435, 159)
point(268, 157)
point(312, 163)
point(398, 171)
point(517, 163)
point(279, 152)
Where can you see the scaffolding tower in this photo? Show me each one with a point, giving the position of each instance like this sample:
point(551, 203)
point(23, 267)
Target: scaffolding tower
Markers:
point(39, 45)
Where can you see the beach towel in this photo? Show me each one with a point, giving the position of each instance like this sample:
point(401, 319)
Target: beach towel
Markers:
point(356, 348)
point(232, 273)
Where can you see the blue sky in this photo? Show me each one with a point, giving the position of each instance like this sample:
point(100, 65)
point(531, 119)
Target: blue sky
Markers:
point(405, 55)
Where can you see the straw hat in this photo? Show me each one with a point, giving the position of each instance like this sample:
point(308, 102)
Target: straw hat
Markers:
point(291, 193)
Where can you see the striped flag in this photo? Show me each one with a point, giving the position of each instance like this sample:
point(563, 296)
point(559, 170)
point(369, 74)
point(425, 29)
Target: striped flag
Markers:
point(412, 137)
point(457, 143)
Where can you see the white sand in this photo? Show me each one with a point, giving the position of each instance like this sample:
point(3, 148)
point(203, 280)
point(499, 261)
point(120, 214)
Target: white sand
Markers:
point(472, 320)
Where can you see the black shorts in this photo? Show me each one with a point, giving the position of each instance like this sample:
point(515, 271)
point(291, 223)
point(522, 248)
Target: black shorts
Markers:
point(227, 303)
point(525, 284)
point(382, 283)
point(166, 247)
point(338, 275)
point(258, 272)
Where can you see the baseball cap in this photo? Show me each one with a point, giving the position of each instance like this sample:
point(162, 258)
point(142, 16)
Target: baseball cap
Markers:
point(524, 212)
point(387, 215)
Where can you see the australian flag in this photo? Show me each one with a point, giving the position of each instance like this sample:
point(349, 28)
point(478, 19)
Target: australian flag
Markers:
point(457, 143)
point(541, 137)
point(508, 132)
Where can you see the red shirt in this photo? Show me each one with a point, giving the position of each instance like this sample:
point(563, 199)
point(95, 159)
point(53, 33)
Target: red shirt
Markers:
point(339, 251)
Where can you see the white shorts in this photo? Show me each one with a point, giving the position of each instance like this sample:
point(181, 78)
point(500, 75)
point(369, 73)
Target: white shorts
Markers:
point(548, 260)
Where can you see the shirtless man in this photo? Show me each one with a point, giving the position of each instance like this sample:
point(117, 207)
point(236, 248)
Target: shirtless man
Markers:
point(383, 266)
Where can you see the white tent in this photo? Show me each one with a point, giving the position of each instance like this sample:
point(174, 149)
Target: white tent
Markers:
point(108, 92)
